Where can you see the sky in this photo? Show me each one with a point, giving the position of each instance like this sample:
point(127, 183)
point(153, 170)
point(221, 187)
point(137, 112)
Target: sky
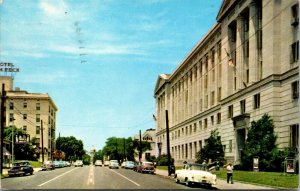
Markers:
point(99, 60)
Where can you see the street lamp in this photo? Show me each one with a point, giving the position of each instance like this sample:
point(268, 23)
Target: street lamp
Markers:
point(12, 140)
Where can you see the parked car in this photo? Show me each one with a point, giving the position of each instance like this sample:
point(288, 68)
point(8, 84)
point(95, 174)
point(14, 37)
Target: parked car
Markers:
point(68, 164)
point(113, 164)
point(20, 168)
point(129, 165)
point(123, 164)
point(78, 163)
point(195, 174)
point(106, 163)
point(146, 167)
point(48, 165)
point(98, 163)
point(58, 164)
point(135, 165)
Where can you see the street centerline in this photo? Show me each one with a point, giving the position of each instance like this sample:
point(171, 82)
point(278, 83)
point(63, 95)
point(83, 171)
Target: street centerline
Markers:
point(91, 176)
point(126, 178)
point(56, 177)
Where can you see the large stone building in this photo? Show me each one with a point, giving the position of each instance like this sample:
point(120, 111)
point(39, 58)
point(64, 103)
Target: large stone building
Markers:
point(31, 112)
point(244, 67)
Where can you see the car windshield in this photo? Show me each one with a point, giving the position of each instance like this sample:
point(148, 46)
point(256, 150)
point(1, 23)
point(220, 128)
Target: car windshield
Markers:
point(198, 167)
point(20, 163)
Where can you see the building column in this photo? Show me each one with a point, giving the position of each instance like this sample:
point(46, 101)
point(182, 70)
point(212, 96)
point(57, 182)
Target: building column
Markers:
point(239, 52)
point(253, 52)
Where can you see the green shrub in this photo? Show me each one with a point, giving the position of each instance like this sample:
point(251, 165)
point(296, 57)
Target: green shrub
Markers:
point(162, 160)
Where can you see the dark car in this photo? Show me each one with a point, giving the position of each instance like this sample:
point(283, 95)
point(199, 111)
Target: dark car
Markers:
point(146, 167)
point(20, 168)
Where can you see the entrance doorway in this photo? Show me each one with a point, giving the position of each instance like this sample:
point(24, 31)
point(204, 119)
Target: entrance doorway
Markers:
point(240, 141)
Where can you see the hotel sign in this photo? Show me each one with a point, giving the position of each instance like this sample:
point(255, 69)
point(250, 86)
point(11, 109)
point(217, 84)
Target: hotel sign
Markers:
point(8, 67)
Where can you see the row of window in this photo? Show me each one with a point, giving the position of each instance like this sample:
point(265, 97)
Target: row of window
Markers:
point(189, 150)
point(188, 130)
point(25, 105)
point(184, 151)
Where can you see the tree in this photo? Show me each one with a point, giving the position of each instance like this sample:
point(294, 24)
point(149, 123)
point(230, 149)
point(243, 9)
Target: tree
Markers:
point(72, 147)
point(114, 148)
point(86, 159)
point(21, 151)
point(261, 142)
point(212, 150)
point(98, 155)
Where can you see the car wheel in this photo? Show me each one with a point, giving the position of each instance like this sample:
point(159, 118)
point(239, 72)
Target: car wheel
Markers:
point(187, 182)
point(176, 179)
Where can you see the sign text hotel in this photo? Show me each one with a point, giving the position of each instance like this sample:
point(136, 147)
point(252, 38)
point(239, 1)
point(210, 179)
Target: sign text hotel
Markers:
point(8, 67)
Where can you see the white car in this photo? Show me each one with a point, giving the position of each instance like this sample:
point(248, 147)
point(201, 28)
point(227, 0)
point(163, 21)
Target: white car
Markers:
point(113, 164)
point(196, 174)
point(129, 165)
point(106, 163)
point(98, 163)
point(78, 163)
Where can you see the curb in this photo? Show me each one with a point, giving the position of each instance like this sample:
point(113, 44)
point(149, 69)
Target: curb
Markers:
point(263, 185)
point(164, 176)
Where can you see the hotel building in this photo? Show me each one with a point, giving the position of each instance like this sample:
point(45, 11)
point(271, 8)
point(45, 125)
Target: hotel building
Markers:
point(35, 113)
point(244, 67)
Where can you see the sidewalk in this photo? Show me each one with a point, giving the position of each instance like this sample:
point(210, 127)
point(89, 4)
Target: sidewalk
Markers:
point(222, 184)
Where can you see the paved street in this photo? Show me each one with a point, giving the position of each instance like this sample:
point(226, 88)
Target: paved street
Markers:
point(90, 177)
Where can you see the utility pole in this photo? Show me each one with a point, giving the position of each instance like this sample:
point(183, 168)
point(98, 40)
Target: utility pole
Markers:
point(168, 144)
point(124, 150)
point(2, 123)
point(140, 153)
point(42, 141)
point(12, 144)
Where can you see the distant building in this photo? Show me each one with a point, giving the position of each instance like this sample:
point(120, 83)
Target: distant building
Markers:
point(92, 154)
point(149, 136)
point(245, 66)
point(31, 112)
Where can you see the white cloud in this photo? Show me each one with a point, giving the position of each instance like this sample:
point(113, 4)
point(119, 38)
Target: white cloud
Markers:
point(45, 78)
point(54, 8)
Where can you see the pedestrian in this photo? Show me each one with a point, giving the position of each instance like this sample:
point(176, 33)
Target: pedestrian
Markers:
point(229, 169)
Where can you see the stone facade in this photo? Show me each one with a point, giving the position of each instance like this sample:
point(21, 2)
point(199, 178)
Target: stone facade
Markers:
point(246, 66)
point(31, 112)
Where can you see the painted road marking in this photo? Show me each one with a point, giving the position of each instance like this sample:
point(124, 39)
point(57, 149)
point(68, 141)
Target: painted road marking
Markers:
point(56, 177)
point(125, 178)
point(91, 179)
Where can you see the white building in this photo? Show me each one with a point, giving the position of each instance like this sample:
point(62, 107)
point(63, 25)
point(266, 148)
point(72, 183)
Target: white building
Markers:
point(149, 136)
point(246, 66)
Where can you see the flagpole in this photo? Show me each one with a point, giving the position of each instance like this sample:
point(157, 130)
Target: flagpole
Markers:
point(231, 64)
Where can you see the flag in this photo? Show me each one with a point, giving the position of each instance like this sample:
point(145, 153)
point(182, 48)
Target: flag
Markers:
point(230, 61)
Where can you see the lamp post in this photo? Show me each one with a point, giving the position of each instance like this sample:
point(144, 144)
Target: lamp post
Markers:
point(12, 140)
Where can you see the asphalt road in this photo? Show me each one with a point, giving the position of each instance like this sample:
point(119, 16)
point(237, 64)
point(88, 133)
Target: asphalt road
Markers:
point(90, 177)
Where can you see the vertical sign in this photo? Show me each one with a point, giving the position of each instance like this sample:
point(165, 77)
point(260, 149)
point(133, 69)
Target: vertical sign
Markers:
point(256, 164)
point(290, 165)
